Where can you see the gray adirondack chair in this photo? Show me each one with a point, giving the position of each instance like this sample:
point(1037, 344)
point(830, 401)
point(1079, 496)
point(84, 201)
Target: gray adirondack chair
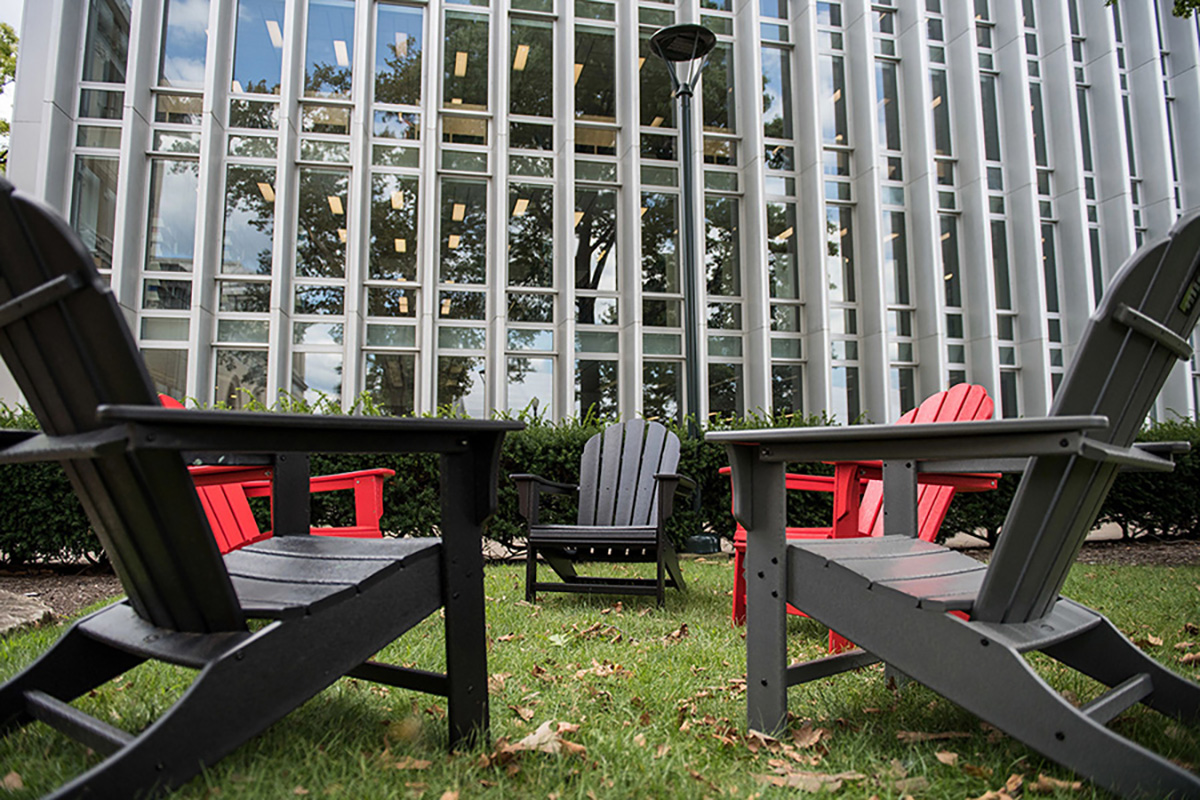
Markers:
point(891, 595)
point(626, 492)
point(330, 603)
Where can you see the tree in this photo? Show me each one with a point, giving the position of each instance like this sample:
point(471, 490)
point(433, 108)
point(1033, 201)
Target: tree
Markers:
point(1183, 8)
point(8, 73)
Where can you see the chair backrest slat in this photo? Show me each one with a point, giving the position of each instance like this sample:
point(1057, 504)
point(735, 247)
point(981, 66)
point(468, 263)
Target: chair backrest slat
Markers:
point(616, 481)
point(73, 355)
point(1116, 372)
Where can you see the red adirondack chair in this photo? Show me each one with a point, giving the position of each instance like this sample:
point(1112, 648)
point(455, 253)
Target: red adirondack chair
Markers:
point(858, 492)
point(225, 493)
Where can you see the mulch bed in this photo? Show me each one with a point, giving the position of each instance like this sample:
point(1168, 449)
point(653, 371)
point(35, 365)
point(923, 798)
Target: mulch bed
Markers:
point(69, 588)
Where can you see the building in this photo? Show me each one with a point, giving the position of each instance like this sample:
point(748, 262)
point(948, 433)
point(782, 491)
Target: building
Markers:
point(475, 204)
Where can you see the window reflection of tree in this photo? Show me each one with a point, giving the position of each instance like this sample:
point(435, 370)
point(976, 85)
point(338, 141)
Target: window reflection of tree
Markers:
point(246, 202)
point(595, 235)
point(241, 373)
point(393, 245)
point(320, 249)
point(530, 236)
point(466, 260)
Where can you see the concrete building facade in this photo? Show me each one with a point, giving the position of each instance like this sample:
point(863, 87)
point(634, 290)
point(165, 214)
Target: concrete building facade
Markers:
point(476, 204)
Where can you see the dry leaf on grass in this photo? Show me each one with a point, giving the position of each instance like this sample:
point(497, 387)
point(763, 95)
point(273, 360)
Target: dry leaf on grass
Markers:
point(408, 762)
point(300, 790)
point(640, 740)
point(808, 736)
point(812, 782)
point(678, 634)
point(1184, 645)
point(604, 670)
point(524, 713)
point(510, 637)
point(546, 739)
point(976, 771)
point(1191, 627)
point(450, 795)
point(1014, 783)
point(662, 750)
point(1045, 785)
point(946, 757)
point(922, 736)
point(12, 782)
point(1190, 658)
point(917, 783)
point(496, 682)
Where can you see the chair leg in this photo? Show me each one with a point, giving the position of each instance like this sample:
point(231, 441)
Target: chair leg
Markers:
point(739, 587)
point(530, 574)
point(74, 665)
point(672, 564)
point(660, 593)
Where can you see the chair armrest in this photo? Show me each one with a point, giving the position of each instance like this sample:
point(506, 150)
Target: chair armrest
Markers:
point(367, 485)
point(669, 486)
point(530, 489)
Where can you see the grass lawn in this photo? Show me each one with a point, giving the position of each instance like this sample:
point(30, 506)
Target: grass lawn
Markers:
point(639, 703)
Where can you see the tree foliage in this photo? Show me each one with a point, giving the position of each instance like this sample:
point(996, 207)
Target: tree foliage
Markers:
point(8, 64)
point(1182, 8)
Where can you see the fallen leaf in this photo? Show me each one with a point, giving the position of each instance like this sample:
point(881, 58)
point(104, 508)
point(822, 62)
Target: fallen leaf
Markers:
point(1045, 785)
point(678, 634)
point(408, 762)
point(946, 757)
point(1155, 641)
point(917, 783)
point(1190, 658)
point(976, 771)
point(1184, 645)
point(496, 682)
point(921, 736)
point(12, 782)
point(524, 713)
point(510, 637)
point(300, 790)
point(1191, 627)
point(1014, 782)
point(808, 736)
point(449, 795)
point(662, 750)
point(640, 740)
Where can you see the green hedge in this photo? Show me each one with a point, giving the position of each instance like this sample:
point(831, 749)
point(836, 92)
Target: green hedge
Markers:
point(41, 520)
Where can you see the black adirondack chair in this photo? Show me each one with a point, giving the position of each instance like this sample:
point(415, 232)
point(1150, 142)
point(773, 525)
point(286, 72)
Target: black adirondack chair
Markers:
point(627, 488)
point(331, 603)
point(892, 595)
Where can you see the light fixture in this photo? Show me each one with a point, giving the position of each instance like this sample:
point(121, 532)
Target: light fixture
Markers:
point(342, 235)
point(458, 212)
point(403, 304)
point(787, 234)
point(401, 45)
point(949, 276)
point(891, 236)
point(341, 53)
point(657, 122)
point(641, 63)
point(335, 205)
point(275, 34)
point(521, 57)
point(520, 206)
point(945, 236)
point(454, 240)
point(578, 69)
point(446, 307)
point(268, 192)
point(402, 245)
point(937, 101)
point(397, 200)
point(644, 210)
point(578, 217)
point(837, 95)
point(460, 64)
point(456, 101)
point(237, 87)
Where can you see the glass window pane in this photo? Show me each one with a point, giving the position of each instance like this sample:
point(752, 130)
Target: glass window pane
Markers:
point(950, 268)
point(722, 246)
point(531, 81)
point(846, 406)
point(462, 305)
point(398, 51)
point(390, 380)
point(166, 295)
point(660, 242)
point(170, 241)
point(725, 390)
point(320, 299)
point(254, 115)
point(888, 103)
point(595, 239)
point(832, 105)
point(662, 390)
point(393, 243)
point(249, 220)
point(244, 296)
point(330, 49)
point(657, 106)
point(390, 301)
point(243, 331)
point(1000, 265)
point(185, 43)
point(596, 389)
point(460, 387)
point(717, 90)
point(530, 383)
point(595, 87)
point(991, 124)
point(93, 206)
point(530, 235)
point(787, 388)
point(241, 377)
point(839, 253)
point(777, 93)
point(168, 371)
point(895, 259)
point(321, 232)
point(783, 251)
point(465, 71)
point(99, 104)
point(316, 376)
point(107, 46)
point(1050, 267)
point(524, 307)
point(463, 243)
point(939, 88)
point(258, 51)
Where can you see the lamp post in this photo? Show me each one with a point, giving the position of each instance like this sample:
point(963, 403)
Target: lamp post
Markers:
point(685, 49)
